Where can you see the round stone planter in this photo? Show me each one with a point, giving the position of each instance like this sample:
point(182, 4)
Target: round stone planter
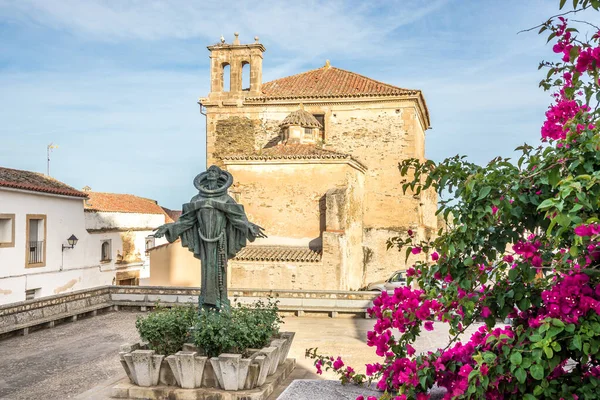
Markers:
point(188, 369)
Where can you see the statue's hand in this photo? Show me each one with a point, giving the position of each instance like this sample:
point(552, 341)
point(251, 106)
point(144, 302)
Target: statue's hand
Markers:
point(257, 231)
point(161, 230)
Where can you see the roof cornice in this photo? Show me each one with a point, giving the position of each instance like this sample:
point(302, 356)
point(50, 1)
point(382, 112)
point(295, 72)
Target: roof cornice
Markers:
point(292, 159)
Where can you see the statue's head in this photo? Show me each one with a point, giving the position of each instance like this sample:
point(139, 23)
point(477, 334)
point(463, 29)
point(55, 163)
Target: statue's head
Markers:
point(213, 173)
point(213, 181)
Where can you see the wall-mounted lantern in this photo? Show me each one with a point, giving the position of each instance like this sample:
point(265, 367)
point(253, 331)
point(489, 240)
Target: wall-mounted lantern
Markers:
point(72, 242)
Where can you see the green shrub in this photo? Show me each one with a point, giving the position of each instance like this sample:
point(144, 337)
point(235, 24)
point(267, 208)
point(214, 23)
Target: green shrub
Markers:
point(166, 330)
point(237, 329)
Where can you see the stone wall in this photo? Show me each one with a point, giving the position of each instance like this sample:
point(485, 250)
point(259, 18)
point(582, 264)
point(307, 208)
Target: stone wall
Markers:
point(287, 198)
point(46, 311)
point(379, 133)
point(21, 315)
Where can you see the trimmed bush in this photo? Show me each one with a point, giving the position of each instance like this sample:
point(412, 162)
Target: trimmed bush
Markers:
point(237, 329)
point(166, 329)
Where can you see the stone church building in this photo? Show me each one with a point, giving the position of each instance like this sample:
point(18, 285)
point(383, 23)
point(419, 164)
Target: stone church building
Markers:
point(314, 158)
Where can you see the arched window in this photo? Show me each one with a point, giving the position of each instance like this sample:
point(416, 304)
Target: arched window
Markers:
point(105, 251)
point(245, 75)
point(226, 78)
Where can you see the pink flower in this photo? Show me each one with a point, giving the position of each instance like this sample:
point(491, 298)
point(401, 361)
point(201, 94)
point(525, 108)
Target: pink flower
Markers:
point(410, 350)
point(337, 364)
point(410, 232)
point(494, 210)
point(587, 230)
point(484, 369)
point(435, 256)
point(319, 364)
point(416, 250)
point(428, 326)
point(485, 312)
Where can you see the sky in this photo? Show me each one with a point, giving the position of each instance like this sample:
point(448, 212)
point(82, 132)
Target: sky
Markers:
point(115, 84)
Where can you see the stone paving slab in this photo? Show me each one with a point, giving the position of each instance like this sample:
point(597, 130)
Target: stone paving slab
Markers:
point(311, 389)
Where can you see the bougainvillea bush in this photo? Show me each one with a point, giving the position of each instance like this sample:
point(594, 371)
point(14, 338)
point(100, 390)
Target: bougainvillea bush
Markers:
point(523, 246)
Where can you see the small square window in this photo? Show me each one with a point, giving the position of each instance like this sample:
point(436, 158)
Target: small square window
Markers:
point(150, 242)
point(31, 294)
point(105, 251)
point(7, 230)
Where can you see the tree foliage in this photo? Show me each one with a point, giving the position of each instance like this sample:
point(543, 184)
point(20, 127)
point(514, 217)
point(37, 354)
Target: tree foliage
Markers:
point(523, 244)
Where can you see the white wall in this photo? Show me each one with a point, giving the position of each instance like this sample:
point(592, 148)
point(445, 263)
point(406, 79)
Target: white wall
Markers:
point(118, 220)
point(68, 270)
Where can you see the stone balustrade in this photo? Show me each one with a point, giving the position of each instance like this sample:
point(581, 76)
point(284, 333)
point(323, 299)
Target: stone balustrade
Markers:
point(47, 311)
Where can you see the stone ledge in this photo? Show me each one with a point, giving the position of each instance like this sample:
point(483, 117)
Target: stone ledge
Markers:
point(53, 318)
point(310, 389)
point(126, 390)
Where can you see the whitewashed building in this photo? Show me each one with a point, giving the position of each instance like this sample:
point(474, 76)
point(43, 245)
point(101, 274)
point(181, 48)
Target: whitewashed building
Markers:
point(121, 227)
point(38, 216)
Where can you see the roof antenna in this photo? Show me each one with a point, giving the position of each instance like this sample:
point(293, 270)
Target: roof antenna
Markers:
point(49, 149)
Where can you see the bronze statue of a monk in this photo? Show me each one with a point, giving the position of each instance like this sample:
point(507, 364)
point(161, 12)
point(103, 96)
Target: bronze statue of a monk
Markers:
point(214, 227)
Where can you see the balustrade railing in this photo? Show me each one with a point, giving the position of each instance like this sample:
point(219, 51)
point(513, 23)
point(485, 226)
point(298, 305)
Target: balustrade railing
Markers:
point(36, 252)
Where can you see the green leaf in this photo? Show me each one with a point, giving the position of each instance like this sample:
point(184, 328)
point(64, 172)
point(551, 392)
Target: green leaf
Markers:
point(554, 176)
point(537, 372)
point(484, 192)
point(577, 342)
point(549, 352)
point(535, 338)
point(521, 375)
point(546, 204)
point(516, 358)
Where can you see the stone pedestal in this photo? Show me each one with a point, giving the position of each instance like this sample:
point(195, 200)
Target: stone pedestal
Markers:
point(146, 365)
point(127, 390)
point(188, 368)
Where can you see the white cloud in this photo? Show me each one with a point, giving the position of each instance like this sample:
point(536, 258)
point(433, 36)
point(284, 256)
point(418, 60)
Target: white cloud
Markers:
point(325, 26)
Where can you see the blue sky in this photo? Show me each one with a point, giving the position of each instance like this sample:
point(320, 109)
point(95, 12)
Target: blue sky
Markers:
point(115, 83)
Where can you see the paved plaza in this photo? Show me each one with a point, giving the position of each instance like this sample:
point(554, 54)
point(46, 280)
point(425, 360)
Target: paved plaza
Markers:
point(80, 359)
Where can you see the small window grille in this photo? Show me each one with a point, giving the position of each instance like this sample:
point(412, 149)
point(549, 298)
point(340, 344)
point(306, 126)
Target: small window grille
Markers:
point(31, 294)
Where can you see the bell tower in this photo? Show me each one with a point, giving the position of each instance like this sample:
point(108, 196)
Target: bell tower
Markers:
point(231, 59)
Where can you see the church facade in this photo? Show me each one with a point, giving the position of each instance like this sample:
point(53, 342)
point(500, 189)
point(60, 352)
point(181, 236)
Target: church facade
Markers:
point(314, 158)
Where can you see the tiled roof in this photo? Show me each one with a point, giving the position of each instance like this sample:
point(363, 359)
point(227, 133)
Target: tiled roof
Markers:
point(278, 253)
point(329, 82)
point(292, 152)
point(302, 118)
point(174, 214)
point(125, 203)
point(35, 182)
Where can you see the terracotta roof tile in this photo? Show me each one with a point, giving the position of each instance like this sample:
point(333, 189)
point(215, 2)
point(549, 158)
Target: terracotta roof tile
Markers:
point(173, 214)
point(278, 253)
point(292, 152)
point(125, 203)
point(329, 82)
point(35, 182)
point(301, 118)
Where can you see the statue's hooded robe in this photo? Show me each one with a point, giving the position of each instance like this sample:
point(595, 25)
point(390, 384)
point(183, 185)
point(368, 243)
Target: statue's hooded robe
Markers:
point(214, 227)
